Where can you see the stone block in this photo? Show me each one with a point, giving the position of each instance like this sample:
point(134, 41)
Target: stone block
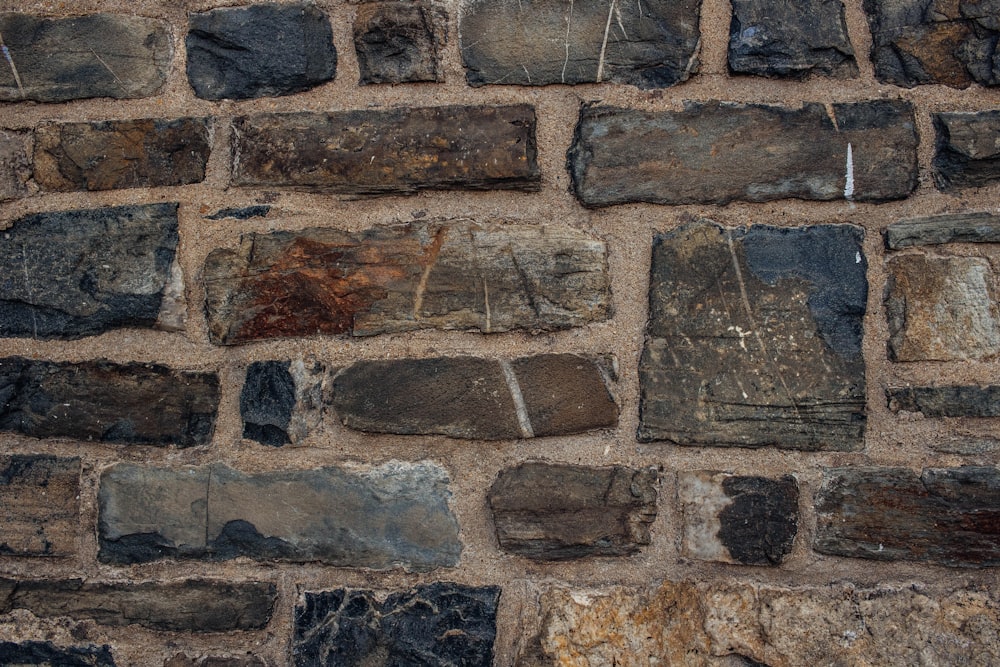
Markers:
point(47, 654)
point(39, 505)
point(15, 164)
point(967, 149)
point(979, 227)
point(946, 401)
point(399, 42)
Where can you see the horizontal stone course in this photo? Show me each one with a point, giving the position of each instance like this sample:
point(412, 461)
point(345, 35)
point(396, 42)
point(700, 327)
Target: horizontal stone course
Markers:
point(47, 653)
point(39, 505)
point(946, 401)
point(979, 227)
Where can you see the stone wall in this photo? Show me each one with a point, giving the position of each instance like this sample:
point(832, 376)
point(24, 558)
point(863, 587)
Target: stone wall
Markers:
point(510, 332)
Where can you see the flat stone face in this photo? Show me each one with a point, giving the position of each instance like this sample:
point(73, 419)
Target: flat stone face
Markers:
point(967, 148)
point(941, 308)
point(779, 39)
point(143, 404)
point(934, 230)
point(435, 624)
point(951, 43)
point(946, 516)
point(738, 519)
point(398, 42)
point(754, 338)
point(15, 164)
point(48, 654)
point(950, 401)
point(441, 274)
point(649, 45)
point(187, 606)
point(99, 55)
point(70, 274)
point(395, 151)
point(282, 401)
point(716, 152)
point(264, 50)
point(39, 505)
point(555, 512)
point(112, 154)
point(395, 515)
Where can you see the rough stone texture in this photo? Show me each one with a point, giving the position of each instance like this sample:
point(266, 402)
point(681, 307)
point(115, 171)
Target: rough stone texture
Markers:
point(395, 515)
point(70, 274)
point(15, 164)
point(399, 42)
point(264, 50)
point(39, 505)
point(183, 660)
point(186, 606)
point(919, 41)
point(475, 398)
point(754, 338)
point(394, 151)
point(435, 624)
point(938, 229)
point(282, 401)
point(47, 654)
point(949, 516)
point(716, 152)
point(941, 308)
point(781, 39)
point(242, 213)
point(114, 154)
point(143, 404)
point(100, 55)
point(652, 44)
point(947, 401)
point(554, 511)
point(439, 274)
point(738, 519)
point(967, 148)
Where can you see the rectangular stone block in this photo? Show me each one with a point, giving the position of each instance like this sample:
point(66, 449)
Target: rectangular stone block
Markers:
point(47, 653)
point(15, 164)
point(980, 227)
point(967, 148)
point(717, 152)
point(442, 274)
point(395, 151)
point(946, 401)
point(142, 404)
point(282, 401)
point(399, 42)
point(948, 516)
point(39, 505)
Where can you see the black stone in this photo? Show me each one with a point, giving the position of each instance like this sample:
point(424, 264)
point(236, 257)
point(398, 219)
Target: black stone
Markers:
point(967, 151)
point(244, 213)
point(49, 655)
point(267, 402)
point(397, 42)
point(953, 401)
point(240, 538)
point(760, 525)
point(962, 228)
point(136, 548)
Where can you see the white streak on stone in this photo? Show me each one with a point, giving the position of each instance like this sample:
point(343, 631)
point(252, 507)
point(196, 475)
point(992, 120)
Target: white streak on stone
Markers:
point(515, 394)
point(849, 176)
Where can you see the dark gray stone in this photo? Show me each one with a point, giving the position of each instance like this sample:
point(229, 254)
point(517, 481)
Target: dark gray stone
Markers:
point(444, 624)
point(266, 402)
point(398, 42)
point(263, 50)
point(960, 228)
point(39, 505)
point(244, 213)
point(967, 149)
point(183, 660)
point(951, 401)
point(47, 654)
point(15, 164)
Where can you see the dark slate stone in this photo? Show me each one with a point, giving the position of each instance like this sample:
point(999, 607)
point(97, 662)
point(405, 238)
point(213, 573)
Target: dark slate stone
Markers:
point(948, 516)
point(398, 42)
point(142, 404)
point(244, 213)
point(444, 624)
point(967, 149)
point(716, 152)
point(39, 505)
point(651, 44)
point(790, 39)
point(263, 50)
point(759, 526)
point(960, 228)
point(48, 654)
point(267, 402)
point(754, 338)
point(98, 55)
point(953, 401)
point(71, 274)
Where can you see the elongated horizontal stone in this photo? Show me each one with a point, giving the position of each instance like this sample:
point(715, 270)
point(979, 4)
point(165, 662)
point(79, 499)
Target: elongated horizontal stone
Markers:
point(949, 516)
point(39, 505)
point(15, 164)
point(754, 338)
point(396, 151)
point(144, 404)
point(113, 154)
point(967, 148)
point(949, 401)
point(399, 42)
point(186, 606)
point(47, 653)
point(716, 152)
point(652, 44)
point(395, 515)
point(99, 55)
point(938, 229)
point(554, 512)
point(443, 274)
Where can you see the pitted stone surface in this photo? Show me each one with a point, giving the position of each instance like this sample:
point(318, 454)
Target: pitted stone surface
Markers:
point(399, 42)
point(39, 505)
point(967, 148)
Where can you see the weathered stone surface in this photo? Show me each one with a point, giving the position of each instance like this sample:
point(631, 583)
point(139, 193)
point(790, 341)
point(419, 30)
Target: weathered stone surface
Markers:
point(553, 511)
point(949, 516)
point(114, 154)
point(39, 505)
point(183, 660)
point(435, 624)
point(394, 515)
point(652, 44)
point(476, 398)
point(395, 151)
point(949, 401)
point(941, 308)
point(754, 338)
point(47, 654)
point(186, 606)
point(780, 39)
point(243, 213)
point(715, 153)
point(15, 164)
point(99, 55)
point(439, 274)
point(263, 50)
point(399, 42)
point(282, 401)
point(70, 274)
point(143, 404)
point(951, 43)
point(967, 148)
point(938, 229)
point(738, 519)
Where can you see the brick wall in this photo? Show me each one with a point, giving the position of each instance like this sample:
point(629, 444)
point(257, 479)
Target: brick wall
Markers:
point(499, 332)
